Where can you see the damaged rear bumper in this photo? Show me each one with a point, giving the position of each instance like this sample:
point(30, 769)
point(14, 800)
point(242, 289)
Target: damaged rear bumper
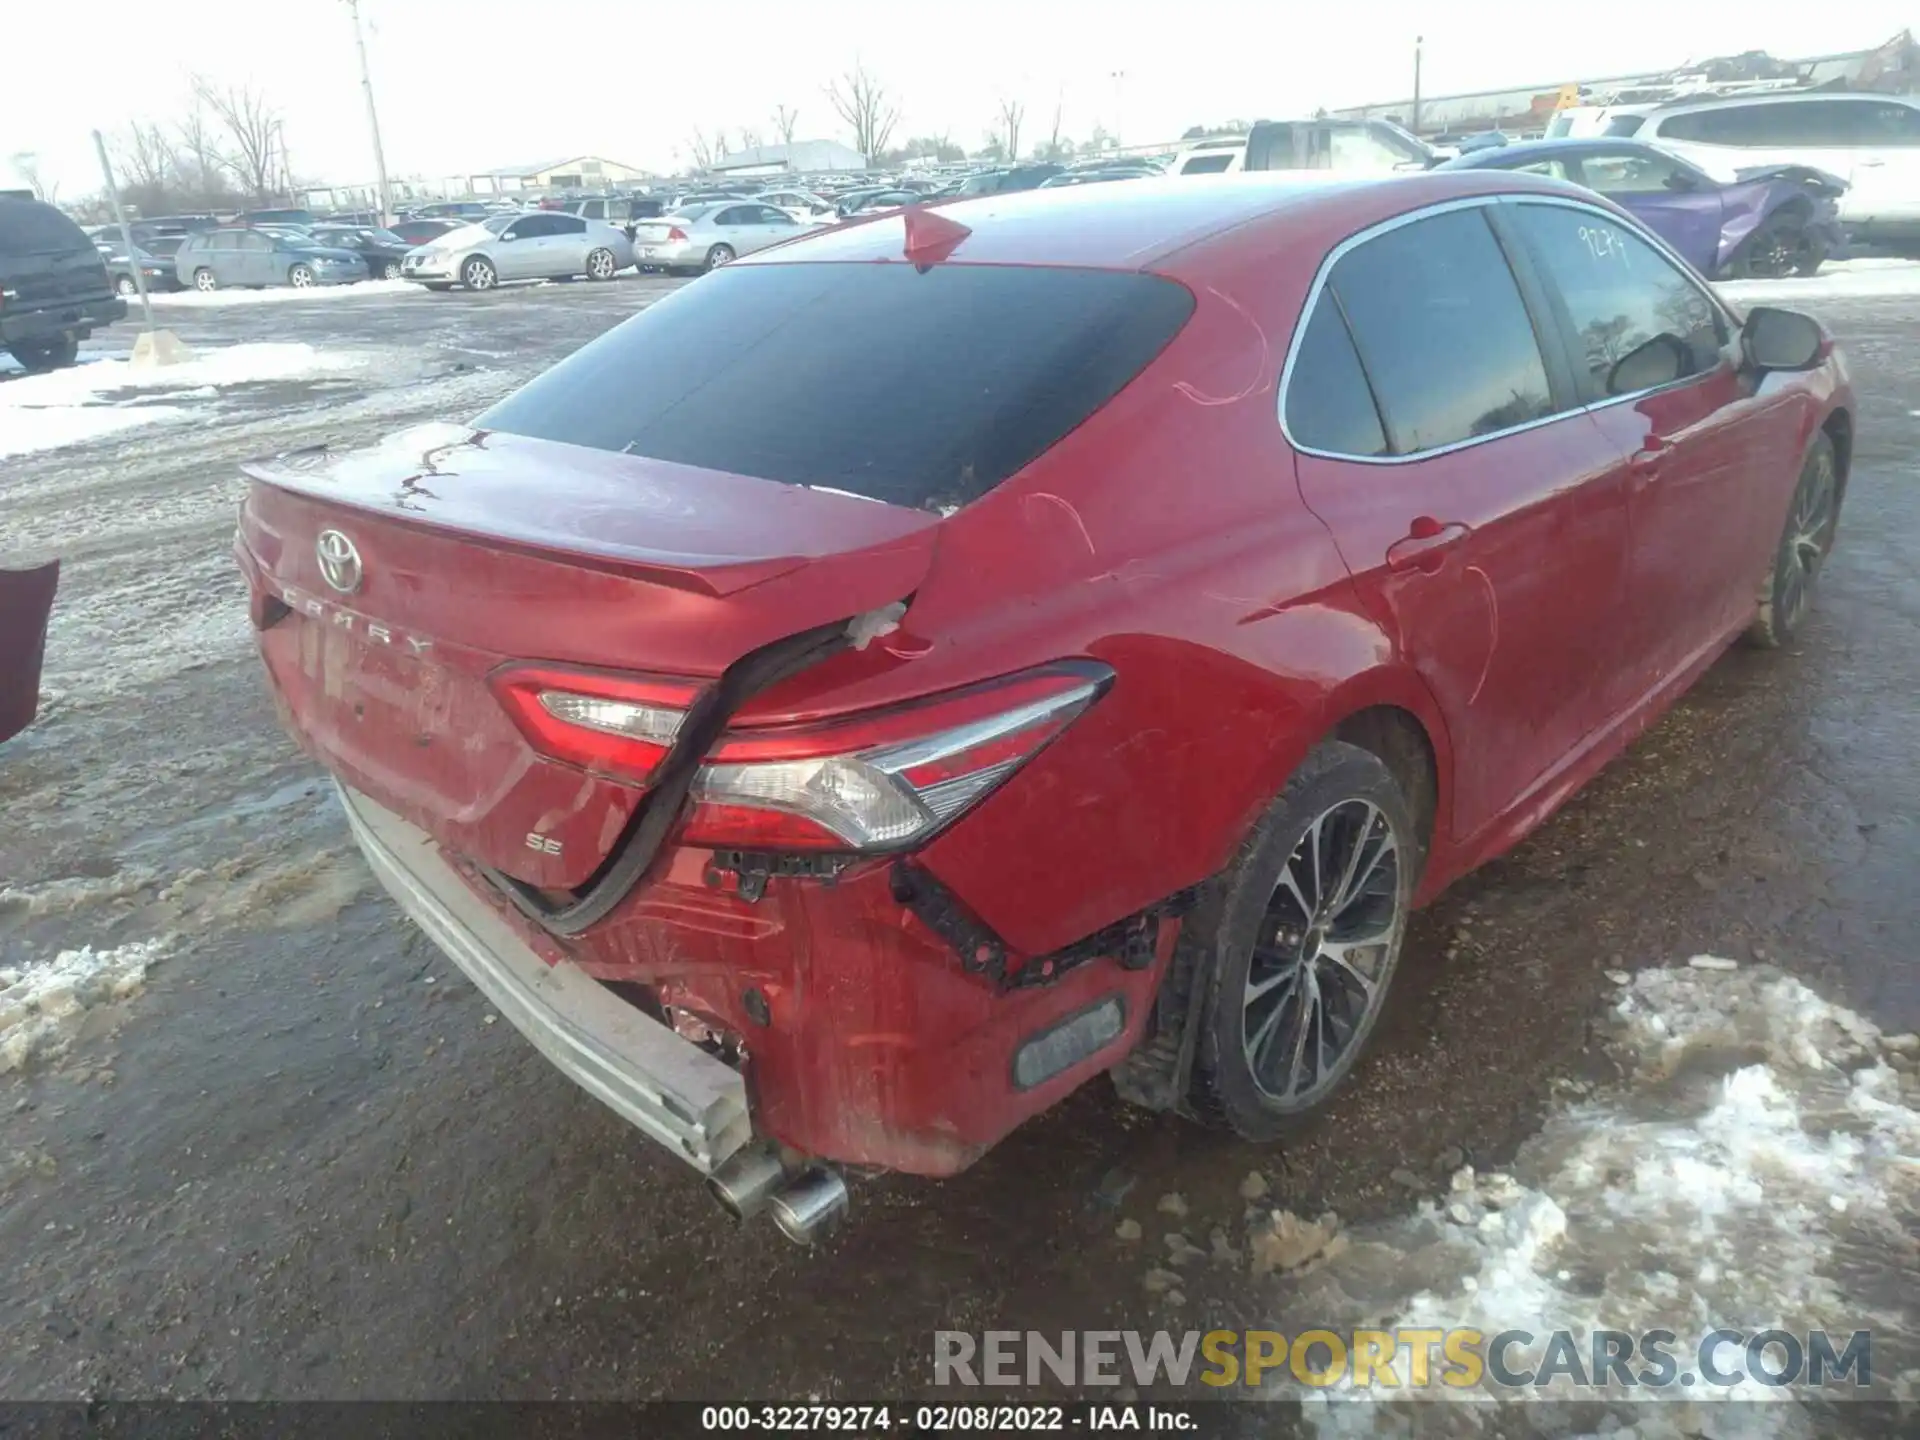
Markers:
point(660, 1083)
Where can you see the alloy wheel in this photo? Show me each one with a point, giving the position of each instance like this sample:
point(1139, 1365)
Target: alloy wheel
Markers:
point(479, 275)
point(300, 277)
point(125, 286)
point(204, 280)
point(1809, 537)
point(1328, 942)
point(600, 265)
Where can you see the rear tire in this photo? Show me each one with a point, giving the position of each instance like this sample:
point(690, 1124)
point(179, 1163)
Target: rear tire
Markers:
point(1786, 594)
point(123, 286)
point(205, 279)
point(1297, 942)
point(40, 357)
point(719, 255)
point(601, 263)
point(478, 274)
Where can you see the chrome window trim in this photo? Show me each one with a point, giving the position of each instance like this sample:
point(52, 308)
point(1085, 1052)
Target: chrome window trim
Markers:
point(1474, 202)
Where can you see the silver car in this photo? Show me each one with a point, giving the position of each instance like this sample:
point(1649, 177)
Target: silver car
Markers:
point(533, 245)
point(699, 237)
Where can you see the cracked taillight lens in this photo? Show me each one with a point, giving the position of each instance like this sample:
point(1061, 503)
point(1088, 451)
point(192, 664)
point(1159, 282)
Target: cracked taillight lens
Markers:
point(883, 781)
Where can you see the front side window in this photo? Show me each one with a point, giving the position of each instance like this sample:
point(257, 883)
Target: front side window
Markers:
point(1621, 294)
point(1628, 174)
point(1442, 332)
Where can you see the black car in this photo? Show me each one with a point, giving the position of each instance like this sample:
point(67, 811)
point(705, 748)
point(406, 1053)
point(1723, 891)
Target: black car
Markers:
point(383, 250)
point(419, 232)
point(156, 269)
point(54, 290)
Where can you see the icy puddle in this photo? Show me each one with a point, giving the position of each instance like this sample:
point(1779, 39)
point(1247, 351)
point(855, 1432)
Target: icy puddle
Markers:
point(1757, 1169)
point(88, 402)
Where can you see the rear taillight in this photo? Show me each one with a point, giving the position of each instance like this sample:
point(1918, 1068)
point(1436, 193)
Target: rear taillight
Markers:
point(616, 725)
point(883, 781)
point(676, 233)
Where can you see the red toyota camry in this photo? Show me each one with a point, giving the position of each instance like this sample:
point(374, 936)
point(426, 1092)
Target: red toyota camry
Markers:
point(914, 670)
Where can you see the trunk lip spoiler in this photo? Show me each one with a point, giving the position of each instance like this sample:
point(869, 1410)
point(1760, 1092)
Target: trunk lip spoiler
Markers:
point(663, 1085)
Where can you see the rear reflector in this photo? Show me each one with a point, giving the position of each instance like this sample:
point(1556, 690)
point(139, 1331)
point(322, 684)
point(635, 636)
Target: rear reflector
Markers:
point(884, 781)
point(616, 725)
point(1076, 1038)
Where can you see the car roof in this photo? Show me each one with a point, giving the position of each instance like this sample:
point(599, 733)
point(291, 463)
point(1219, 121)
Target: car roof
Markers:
point(1525, 152)
point(1142, 225)
point(1762, 97)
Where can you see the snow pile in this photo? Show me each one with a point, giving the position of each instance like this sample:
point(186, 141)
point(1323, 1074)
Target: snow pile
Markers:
point(44, 1007)
point(1759, 1167)
point(280, 294)
point(85, 402)
point(1872, 277)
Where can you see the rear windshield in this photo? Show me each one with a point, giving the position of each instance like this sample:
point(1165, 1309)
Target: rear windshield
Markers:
point(28, 227)
point(1624, 125)
point(923, 390)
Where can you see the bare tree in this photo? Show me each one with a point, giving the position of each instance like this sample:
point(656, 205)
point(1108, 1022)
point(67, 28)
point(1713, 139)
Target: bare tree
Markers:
point(869, 111)
point(704, 149)
point(252, 127)
point(784, 119)
point(28, 164)
point(749, 138)
point(1012, 112)
point(201, 167)
point(1053, 151)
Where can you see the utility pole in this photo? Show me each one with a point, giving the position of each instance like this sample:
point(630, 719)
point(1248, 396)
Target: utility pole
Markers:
point(1418, 40)
point(151, 346)
point(373, 118)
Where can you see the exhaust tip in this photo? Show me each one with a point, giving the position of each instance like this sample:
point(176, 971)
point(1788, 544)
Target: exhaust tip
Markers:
point(811, 1206)
point(745, 1183)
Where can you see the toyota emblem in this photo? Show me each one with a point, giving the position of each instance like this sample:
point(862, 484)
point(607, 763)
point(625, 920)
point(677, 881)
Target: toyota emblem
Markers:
point(339, 561)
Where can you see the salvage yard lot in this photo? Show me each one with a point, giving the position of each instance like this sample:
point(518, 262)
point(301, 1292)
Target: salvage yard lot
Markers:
point(300, 1159)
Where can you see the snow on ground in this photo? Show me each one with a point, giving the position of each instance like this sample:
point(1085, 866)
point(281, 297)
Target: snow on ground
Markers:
point(1870, 277)
point(1758, 1166)
point(45, 1006)
point(85, 402)
point(276, 295)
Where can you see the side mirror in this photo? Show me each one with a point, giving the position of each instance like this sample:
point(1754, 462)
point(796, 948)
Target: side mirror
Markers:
point(1781, 340)
point(1656, 362)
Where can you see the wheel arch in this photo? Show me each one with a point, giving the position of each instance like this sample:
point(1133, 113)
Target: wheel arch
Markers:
point(1838, 428)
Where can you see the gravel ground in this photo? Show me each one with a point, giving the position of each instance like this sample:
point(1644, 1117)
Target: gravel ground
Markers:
point(292, 1157)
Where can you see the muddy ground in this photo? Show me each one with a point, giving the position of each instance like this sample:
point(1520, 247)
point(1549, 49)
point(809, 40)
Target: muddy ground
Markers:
point(302, 1163)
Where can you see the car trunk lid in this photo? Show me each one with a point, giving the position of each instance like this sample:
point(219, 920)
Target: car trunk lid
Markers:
point(473, 549)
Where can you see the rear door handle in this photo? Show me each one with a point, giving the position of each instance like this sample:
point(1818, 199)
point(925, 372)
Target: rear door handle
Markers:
point(1425, 545)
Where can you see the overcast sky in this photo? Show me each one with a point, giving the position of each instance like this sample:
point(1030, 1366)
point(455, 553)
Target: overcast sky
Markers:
point(478, 84)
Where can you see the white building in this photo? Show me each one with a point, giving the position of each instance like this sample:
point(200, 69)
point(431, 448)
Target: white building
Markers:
point(799, 158)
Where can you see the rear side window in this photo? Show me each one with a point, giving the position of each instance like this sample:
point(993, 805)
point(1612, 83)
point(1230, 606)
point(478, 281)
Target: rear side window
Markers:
point(1208, 164)
point(28, 227)
point(1442, 332)
point(922, 390)
point(1620, 294)
point(1329, 407)
point(1624, 125)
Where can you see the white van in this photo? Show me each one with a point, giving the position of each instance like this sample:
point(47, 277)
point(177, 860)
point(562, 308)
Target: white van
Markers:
point(1870, 141)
